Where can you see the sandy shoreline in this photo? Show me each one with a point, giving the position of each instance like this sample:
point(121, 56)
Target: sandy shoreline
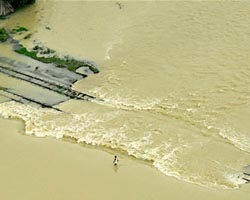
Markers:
point(35, 168)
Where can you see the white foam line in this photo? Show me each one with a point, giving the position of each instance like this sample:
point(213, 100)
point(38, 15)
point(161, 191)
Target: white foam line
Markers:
point(83, 129)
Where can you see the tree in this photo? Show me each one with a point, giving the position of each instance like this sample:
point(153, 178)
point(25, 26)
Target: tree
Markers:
point(20, 3)
point(5, 8)
point(9, 6)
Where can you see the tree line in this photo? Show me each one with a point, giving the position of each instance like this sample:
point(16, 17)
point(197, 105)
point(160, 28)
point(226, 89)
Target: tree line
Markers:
point(20, 3)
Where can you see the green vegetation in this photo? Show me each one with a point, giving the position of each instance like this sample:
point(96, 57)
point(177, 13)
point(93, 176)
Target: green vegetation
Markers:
point(66, 62)
point(3, 35)
point(27, 36)
point(24, 51)
point(18, 29)
point(44, 54)
point(3, 17)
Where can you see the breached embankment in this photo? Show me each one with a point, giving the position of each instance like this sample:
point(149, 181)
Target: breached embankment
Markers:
point(42, 68)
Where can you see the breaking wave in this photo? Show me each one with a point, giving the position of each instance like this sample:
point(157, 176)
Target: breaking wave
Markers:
point(91, 129)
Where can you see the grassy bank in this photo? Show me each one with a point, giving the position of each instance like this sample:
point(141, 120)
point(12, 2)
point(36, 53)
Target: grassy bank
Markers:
point(65, 62)
point(44, 54)
point(18, 29)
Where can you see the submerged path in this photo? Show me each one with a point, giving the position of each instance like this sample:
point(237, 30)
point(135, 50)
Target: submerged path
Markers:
point(61, 89)
point(55, 80)
point(24, 100)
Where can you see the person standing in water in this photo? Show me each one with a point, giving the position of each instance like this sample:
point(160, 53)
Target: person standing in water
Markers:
point(115, 161)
